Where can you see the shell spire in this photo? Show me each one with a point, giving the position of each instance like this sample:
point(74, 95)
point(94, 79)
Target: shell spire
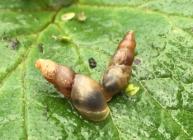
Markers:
point(60, 76)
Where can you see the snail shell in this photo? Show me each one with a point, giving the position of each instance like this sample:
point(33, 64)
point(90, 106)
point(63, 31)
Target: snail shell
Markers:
point(116, 78)
point(118, 72)
point(86, 94)
point(60, 76)
point(87, 97)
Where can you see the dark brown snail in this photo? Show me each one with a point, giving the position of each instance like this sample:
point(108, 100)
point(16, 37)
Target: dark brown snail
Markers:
point(118, 73)
point(85, 94)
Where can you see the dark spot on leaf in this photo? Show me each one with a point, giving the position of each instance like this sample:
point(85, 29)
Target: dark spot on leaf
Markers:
point(92, 63)
point(137, 61)
point(41, 48)
point(14, 44)
point(4, 37)
point(152, 45)
point(162, 35)
point(45, 113)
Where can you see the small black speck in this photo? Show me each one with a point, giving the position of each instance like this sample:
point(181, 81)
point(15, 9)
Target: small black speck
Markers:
point(92, 63)
point(14, 44)
point(41, 48)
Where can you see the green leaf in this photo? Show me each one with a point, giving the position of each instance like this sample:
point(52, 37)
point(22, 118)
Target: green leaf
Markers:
point(31, 108)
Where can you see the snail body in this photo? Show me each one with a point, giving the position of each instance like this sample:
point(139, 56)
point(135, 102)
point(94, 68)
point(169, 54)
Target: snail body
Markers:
point(85, 94)
point(118, 72)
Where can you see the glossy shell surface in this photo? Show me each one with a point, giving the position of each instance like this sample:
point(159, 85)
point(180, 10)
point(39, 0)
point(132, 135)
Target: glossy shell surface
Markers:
point(87, 97)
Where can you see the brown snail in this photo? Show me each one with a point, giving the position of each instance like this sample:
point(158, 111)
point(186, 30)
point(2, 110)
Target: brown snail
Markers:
point(118, 73)
point(85, 94)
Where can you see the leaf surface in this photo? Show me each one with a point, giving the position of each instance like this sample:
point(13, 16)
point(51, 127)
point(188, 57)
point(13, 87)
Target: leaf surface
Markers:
point(31, 108)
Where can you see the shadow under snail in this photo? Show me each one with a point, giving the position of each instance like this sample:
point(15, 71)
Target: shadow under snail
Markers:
point(88, 96)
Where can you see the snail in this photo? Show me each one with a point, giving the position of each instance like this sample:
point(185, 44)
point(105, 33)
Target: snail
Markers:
point(85, 93)
point(118, 73)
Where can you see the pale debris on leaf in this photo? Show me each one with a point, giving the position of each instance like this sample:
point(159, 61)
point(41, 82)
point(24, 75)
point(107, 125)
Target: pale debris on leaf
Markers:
point(131, 90)
point(81, 16)
point(67, 16)
point(61, 38)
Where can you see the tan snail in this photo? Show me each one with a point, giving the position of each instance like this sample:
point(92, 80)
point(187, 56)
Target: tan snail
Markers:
point(118, 72)
point(86, 94)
